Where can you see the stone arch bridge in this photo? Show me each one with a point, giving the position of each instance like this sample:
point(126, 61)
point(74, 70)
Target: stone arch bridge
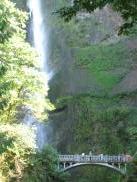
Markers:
point(114, 162)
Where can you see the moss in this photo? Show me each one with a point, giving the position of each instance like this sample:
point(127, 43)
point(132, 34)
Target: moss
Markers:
point(103, 62)
point(99, 131)
point(102, 124)
point(106, 79)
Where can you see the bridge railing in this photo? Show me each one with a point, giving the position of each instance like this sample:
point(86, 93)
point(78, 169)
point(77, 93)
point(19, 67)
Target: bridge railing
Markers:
point(95, 158)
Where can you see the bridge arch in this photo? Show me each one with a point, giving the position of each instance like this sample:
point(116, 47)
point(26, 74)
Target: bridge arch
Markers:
point(119, 170)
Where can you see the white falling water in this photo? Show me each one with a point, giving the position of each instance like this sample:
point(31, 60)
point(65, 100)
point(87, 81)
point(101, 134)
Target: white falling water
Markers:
point(40, 35)
point(40, 38)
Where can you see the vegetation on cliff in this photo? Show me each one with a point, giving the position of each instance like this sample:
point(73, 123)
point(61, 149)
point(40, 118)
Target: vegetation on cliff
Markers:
point(127, 9)
point(95, 89)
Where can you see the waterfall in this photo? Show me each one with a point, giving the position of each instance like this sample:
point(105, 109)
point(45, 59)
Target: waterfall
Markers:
point(40, 42)
point(40, 35)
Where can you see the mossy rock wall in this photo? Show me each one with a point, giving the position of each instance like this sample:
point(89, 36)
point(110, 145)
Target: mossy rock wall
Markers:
point(97, 89)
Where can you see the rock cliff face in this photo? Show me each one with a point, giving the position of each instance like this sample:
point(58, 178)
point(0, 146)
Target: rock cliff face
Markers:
point(21, 4)
point(94, 87)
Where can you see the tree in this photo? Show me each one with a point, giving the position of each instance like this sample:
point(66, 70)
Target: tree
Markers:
point(44, 167)
point(21, 86)
point(20, 78)
point(128, 10)
point(11, 20)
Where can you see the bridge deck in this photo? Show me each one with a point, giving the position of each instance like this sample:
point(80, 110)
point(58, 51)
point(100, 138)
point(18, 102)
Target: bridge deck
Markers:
point(95, 158)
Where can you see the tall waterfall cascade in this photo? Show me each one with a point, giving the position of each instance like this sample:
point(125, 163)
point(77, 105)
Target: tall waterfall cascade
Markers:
point(40, 36)
point(40, 43)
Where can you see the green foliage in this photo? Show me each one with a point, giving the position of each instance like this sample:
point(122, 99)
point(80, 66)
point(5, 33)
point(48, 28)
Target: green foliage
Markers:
point(4, 142)
point(101, 125)
point(18, 142)
point(22, 88)
point(21, 80)
point(94, 128)
point(20, 161)
point(78, 33)
point(128, 10)
point(132, 171)
point(95, 121)
point(11, 20)
point(18, 63)
point(102, 55)
point(44, 167)
point(102, 61)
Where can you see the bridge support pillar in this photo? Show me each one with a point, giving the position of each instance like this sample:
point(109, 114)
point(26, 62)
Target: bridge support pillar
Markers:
point(125, 167)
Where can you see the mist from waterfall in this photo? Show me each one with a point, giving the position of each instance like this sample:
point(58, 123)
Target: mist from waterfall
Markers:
point(40, 42)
